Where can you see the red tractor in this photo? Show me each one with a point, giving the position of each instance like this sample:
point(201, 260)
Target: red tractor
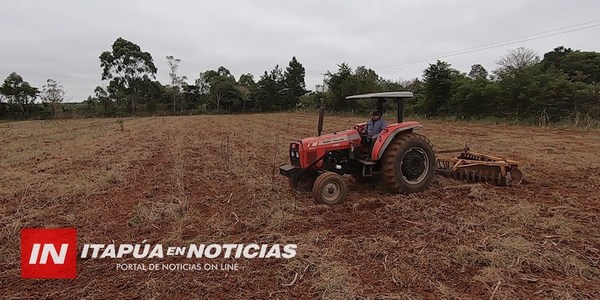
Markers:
point(404, 160)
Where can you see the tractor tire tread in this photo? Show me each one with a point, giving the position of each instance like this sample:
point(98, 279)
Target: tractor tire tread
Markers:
point(389, 163)
point(316, 189)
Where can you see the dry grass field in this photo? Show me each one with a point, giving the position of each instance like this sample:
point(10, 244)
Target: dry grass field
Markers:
point(211, 179)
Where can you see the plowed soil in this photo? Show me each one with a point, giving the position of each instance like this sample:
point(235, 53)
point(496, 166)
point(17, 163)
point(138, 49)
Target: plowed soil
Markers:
point(212, 179)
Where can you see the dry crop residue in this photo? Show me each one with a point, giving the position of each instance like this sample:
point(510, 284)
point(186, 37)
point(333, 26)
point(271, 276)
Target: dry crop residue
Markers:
point(212, 179)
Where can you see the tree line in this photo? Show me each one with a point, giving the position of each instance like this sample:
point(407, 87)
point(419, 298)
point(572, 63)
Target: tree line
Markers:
point(132, 89)
point(562, 85)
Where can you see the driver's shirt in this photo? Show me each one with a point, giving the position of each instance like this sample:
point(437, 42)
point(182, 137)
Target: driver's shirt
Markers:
point(375, 127)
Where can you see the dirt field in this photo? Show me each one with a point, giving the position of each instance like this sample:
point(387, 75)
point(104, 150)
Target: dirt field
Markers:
point(210, 179)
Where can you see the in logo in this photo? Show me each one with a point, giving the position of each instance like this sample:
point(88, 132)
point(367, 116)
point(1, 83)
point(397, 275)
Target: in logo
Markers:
point(48, 253)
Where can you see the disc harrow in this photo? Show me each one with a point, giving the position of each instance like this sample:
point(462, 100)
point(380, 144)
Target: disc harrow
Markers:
point(478, 167)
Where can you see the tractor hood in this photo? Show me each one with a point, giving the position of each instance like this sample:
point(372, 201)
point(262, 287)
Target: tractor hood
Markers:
point(332, 140)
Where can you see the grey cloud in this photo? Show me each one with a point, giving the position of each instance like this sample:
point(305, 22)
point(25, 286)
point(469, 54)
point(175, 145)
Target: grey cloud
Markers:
point(63, 39)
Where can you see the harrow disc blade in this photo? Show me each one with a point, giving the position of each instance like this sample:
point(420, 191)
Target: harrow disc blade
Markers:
point(484, 174)
point(516, 176)
point(477, 167)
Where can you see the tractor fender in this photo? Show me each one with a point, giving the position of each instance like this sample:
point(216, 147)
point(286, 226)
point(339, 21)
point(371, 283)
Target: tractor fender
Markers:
point(388, 135)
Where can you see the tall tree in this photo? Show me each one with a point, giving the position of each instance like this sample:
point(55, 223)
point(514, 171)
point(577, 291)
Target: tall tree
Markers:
point(555, 58)
point(474, 97)
point(193, 97)
point(53, 94)
point(580, 66)
point(293, 79)
point(517, 59)
point(438, 81)
point(366, 80)
point(246, 88)
point(247, 80)
point(339, 86)
point(176, 81)
point(478, 71)
point(19, 92)
point(125, 66)
point(217, 85)
point(271, 90)
point(345, 82)
point(104, 99)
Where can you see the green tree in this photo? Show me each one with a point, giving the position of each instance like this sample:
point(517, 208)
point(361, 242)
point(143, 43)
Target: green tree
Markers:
point(478, 71)
point(366, 80)
point(439, 80)
point(153, 92)
point(293, 81)
point(416, 87)
point(531, 94)
point(176, 81)
point(474, 97)
point(103, 98)
point(19, 92)
point(247, 80)
point(53, 95)
point(218, 85)
point(193, 97)
point(243, 95)
point(89, 107)
point(513, 100)
point(555, 58)
point(559, 86)
point(345, 82)
point(125, 66)
point(271, 90)
point(246, 88)
point(339, 86)
point(578, 65)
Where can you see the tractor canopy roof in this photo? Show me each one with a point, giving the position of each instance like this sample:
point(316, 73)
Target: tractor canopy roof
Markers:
point(382, 95)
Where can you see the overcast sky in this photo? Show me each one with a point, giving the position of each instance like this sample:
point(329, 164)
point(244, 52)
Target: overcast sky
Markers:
point(63, 39)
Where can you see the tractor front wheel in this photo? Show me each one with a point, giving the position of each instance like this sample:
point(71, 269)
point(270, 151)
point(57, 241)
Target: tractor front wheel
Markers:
point(408, 164)
point(330, 188)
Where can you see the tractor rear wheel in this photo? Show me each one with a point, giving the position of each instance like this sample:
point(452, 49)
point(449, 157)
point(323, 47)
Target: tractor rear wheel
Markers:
point(408, 164)
point(330, 188)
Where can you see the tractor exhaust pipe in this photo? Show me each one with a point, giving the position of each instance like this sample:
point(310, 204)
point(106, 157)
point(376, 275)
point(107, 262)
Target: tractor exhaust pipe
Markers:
point(320, 124)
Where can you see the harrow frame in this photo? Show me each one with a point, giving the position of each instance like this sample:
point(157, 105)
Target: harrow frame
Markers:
point(479, 167)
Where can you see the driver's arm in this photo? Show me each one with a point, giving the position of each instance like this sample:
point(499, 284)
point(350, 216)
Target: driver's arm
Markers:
point(381, 126)
point(365, 128)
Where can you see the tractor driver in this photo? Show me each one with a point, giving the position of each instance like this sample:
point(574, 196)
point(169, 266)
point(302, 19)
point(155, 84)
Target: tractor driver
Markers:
point(374, 126)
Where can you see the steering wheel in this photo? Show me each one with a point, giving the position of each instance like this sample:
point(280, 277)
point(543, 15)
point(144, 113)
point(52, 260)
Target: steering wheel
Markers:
point(360, 131)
